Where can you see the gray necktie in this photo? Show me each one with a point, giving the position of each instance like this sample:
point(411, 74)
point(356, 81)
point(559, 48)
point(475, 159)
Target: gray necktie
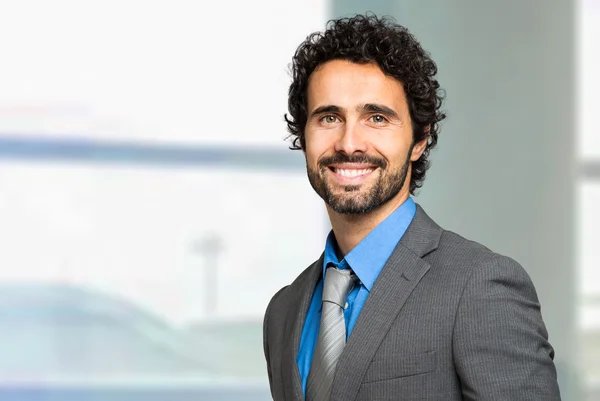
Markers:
point(332, 333)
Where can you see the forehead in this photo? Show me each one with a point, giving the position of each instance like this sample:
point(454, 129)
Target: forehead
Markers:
point(346, 84)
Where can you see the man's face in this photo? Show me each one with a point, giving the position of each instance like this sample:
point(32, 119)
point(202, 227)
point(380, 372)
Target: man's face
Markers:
point(359, 144)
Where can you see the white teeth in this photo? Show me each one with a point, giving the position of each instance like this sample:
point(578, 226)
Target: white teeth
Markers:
point(353, 172)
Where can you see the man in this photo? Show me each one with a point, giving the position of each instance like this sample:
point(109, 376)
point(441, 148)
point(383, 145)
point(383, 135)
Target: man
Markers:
point(396, 308)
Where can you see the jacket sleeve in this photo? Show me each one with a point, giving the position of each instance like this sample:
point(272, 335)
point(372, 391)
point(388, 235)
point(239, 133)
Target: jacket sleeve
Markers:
point(266, 338)
point(500, 343)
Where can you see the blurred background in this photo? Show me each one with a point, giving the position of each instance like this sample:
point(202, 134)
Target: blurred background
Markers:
point(150, 208)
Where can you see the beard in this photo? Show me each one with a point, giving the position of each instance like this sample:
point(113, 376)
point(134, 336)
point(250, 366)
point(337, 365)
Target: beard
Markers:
point(352, 200)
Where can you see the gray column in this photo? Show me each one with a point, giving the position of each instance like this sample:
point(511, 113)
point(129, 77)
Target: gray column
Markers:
point(503, 174)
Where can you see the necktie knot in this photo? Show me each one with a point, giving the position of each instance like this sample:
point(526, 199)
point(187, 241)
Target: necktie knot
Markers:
point(338, 284)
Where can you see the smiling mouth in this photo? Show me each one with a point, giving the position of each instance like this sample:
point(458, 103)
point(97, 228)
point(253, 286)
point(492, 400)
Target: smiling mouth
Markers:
point(352, 172)
point(349, 174)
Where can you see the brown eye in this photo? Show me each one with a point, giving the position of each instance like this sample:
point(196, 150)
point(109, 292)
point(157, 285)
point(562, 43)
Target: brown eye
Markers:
point(378, 119)
point(330, 119)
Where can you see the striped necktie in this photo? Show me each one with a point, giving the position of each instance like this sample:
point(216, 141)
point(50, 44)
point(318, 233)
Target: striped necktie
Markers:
point(332, 333)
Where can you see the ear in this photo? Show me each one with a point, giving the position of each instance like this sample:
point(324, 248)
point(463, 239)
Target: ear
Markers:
point(420, 146)
point(303, 146)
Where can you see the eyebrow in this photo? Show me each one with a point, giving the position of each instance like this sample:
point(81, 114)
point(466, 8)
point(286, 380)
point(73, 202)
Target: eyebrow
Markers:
point(370, 107)
point(379, 108)
point(326, 109)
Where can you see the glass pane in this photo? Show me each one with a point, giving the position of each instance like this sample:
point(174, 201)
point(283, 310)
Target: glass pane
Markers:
point(589, 283)
point(147, 278)
point(589, 237)
point(159, 70)
point(588, 77)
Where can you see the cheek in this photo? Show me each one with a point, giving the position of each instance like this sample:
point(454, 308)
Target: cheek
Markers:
point(316, 148)
point(312, 155)
point(394, 149)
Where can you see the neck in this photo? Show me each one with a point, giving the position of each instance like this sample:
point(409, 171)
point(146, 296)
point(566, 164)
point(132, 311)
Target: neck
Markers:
point(351, 229)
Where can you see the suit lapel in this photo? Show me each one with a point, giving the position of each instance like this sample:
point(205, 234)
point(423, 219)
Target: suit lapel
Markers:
point(303, 291)
point(399, 277)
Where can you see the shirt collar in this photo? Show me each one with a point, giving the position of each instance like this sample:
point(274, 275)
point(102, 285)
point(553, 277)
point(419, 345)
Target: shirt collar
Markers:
point(370, 255)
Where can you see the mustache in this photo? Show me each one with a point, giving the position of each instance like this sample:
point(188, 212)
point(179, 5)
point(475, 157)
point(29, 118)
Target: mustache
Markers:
point(339, 158)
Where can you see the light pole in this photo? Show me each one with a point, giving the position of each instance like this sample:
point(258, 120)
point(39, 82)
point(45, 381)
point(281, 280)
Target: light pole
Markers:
point(209, 247)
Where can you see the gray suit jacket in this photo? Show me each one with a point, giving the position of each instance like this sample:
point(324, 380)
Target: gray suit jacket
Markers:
point(447, 319)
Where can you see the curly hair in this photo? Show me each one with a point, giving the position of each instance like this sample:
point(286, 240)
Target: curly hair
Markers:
point(369, 39)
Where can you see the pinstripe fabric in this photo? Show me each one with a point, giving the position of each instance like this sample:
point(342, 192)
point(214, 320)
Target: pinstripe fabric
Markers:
point(446, 320)
point(332, 333)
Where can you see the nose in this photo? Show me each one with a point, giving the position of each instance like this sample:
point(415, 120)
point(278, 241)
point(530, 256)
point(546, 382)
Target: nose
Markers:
point(351, 140)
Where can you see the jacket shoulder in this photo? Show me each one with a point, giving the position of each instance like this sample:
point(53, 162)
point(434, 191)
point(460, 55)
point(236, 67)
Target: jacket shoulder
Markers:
point(286, 293)
point(474, 258)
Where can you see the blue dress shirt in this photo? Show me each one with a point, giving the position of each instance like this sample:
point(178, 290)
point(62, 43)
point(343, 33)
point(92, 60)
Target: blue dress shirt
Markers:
point(366, 260)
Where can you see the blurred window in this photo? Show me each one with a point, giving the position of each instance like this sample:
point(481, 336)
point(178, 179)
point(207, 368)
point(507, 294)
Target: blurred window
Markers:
point(588, 63)
point(150, 202)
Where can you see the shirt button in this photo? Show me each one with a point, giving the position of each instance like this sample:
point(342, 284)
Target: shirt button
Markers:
point(346, 306)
